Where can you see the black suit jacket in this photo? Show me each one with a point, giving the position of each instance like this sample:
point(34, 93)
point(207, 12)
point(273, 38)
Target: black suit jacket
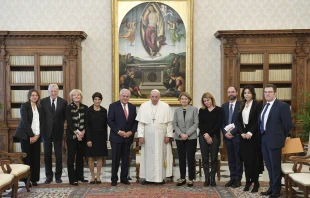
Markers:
point(278, 124)
point(225, 107)
point(117, 121)
point(51, 121)
point(24, 130)
point(255, 111)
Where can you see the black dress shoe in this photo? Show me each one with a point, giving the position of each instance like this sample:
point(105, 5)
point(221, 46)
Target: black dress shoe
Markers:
point(74, 183)
point(212, 182)
point(58, 181)
point(181, 182)
point(34, 183)
point(230, 183)
point(83, 180)
point(268, 192)
point(236, 184)
point(92, 182)
point(48, 181)
point(207, 183)
point(98, 181)
point(275, 195)
point(190, 183)
point(125, 182)
point(114, 183)
point(246, 188)
point(255, 188)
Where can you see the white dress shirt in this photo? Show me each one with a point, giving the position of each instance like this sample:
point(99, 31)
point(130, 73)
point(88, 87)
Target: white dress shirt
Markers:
point(267, 113)
point(54, 102)
point(35, 125)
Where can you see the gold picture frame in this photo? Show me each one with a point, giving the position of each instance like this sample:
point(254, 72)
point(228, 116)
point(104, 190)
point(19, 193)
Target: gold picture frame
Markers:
point(152, 48)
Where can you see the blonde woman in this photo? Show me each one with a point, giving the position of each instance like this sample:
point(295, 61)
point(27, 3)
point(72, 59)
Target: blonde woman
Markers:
point(75, 133)
point(210, 121)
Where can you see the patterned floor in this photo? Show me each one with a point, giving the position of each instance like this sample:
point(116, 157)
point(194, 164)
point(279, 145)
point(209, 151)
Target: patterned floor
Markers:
point(136, 190)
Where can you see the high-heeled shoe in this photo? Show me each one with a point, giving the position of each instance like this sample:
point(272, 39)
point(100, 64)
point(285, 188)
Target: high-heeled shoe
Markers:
point(255, 188)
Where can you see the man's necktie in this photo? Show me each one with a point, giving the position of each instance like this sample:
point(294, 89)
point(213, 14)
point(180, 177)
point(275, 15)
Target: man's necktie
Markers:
point(53, 107)
point(125, 112)
point(230, 113)
point(262, 130)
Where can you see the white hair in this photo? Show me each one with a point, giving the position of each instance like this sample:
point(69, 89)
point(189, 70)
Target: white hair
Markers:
point(122, 90)
point(52, 86)
point(75, 91)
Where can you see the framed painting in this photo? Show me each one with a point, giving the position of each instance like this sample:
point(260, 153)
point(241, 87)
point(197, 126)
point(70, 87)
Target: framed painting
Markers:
point(152, 48)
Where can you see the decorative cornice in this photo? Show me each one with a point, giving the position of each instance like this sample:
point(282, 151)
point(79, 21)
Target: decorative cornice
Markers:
point(45, 34)
point(262, 33)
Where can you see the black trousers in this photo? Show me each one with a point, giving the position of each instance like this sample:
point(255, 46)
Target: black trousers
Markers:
point(186, 150)
point(120, 151)
point(33, 157)
point(48, 144)
point(75, 157)
point(212, 150)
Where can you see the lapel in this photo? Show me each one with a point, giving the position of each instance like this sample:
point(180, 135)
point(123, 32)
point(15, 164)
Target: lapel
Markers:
point(276, 102)
point(49, 104)
point(237, 107)
point(252, 110)
point(120, 106)
point(188, 113)
point(226, 109)
point(29, 110)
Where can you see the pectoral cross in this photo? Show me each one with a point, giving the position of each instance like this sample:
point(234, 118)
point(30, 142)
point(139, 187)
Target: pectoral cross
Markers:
point(153, 119)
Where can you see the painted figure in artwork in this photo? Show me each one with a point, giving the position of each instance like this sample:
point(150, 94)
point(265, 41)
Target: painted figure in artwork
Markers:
point(175, 36)
point(153, 30)
point(130, 32)
point(174, 83)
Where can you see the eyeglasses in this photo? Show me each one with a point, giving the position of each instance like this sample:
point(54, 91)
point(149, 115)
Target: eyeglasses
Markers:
point(268, 92)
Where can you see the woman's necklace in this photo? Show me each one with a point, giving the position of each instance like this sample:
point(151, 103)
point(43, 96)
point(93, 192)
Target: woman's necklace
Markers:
point(154, 113)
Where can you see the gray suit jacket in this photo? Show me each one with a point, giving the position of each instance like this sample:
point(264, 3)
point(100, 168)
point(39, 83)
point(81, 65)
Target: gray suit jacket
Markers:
point(188, 125)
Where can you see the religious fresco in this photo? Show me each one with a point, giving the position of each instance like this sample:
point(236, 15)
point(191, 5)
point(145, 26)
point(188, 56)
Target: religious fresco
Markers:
point(152, 44)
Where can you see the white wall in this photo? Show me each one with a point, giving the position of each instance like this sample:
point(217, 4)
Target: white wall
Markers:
point(94, 17)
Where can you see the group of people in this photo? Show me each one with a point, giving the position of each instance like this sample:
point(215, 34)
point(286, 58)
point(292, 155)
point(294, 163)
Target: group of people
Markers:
point(252, 133)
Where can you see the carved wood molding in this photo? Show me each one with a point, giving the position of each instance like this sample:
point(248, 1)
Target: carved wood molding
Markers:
point(230, 46)
point(71, 47)
point(2, 47)
point(302, 45)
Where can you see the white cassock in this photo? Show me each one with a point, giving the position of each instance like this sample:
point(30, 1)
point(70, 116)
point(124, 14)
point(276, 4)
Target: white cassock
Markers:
point(155, 123)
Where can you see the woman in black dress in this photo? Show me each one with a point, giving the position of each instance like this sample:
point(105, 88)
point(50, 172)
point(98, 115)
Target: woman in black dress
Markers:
point(250, 149)
point(210, 120)
point(96, 136)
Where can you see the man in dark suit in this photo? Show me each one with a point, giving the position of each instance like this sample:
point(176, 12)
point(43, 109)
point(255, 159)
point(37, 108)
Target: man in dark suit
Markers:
point(275, 124)
point(232, 138)
point(121, 120)
point(54, 110)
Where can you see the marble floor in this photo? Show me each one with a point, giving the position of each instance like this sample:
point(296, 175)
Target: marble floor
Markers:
point(106, 173)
